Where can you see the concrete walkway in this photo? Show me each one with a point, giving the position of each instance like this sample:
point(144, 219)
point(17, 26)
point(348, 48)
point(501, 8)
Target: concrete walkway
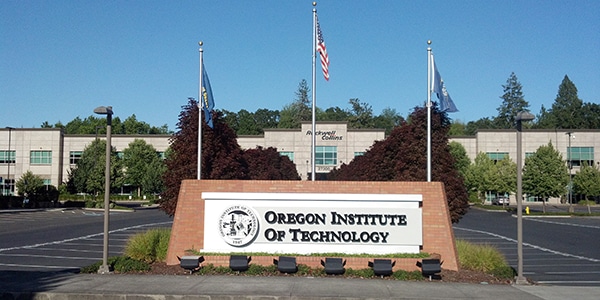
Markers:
point(48, 286)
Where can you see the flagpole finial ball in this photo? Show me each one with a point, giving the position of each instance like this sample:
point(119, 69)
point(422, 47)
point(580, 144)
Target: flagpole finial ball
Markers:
point(200, 43)
point(428, 42)
point(315, 3)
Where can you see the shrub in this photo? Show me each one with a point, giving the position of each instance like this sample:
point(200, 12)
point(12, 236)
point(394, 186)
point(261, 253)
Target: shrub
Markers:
point(483, 258)
point(119, 264)
point(149, 246)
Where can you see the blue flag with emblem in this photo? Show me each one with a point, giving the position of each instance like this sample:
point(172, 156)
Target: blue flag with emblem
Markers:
point(446, 103)
point(207, 101)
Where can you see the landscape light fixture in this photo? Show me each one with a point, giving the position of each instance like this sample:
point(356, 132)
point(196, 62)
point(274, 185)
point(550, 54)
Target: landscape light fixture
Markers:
point(430, 267)
point(239, 263)
point(106, 110)
point(521, 116)
point(286, 264)
point(334, 266)
point(190, 262)
point(382, 267)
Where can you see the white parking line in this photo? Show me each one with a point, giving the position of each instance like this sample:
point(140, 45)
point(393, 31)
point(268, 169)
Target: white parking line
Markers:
point(81, 237)
point(562, 223)
point(531, 245)
point(46, 256)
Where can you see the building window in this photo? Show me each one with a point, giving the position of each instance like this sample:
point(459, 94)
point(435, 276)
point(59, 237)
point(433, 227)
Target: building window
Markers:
point(7, 156)
point(161, 154)
point(289, 154)
point(74, 157)
point(8, 186)
point(326, 155)
point(576, 156)
point(42, 157)
point(120, 154)
point(359, 153)
point(496, 156)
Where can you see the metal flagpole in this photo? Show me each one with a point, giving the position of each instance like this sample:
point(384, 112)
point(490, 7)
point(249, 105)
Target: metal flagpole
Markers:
point(199, 176)
point(314, 93)
point(429, 83)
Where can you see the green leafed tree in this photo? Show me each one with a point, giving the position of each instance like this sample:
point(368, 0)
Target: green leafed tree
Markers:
point(587, 182)
point(142, 165)
point(388, 119)
point(29, 184)
point(506, 176)
point(88, 174)
point(480, 175)
point(361, 114)
point(461, 160)
point(545, 174)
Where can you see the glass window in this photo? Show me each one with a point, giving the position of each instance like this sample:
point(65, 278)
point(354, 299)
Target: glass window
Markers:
point(74, 157)
point(578, 155)
point(42, 157)
point(496, 156)
point(7, 156)
point(289, 154)
point(326, 155)
point(359, 154)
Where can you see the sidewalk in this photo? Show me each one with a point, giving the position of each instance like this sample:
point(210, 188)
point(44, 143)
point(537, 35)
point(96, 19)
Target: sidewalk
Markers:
point(49, 286)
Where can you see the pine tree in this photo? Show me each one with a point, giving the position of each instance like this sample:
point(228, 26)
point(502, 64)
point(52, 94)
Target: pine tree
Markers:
point(512, 103)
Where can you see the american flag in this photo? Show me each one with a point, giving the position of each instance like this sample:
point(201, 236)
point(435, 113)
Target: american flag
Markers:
point(323, 52)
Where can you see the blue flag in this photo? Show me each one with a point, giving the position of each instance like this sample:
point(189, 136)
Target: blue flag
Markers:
point(207, 103)
point(446, 103)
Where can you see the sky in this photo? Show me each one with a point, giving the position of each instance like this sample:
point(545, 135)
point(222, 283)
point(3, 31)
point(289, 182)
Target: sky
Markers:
point(61, 59)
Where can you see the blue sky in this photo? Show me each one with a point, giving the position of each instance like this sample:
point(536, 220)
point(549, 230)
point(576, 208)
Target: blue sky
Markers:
point(61, 59)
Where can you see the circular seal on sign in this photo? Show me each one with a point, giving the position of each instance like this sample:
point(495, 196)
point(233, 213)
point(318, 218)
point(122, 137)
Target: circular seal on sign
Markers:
point(238, 226)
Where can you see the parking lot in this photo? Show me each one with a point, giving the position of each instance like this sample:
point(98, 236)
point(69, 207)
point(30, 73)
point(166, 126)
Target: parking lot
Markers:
point(66, 240)
point(556, 250)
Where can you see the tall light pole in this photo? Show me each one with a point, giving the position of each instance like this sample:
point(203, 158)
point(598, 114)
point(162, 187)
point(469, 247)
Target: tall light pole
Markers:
point(106, 110)
point(570, 173)
point(521, 116)
point(6, 181)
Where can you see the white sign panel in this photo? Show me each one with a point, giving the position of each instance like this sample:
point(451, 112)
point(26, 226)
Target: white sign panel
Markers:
point(312, 223)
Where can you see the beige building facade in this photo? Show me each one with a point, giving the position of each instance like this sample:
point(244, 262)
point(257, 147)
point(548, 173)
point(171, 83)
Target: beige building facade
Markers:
point(50, 154)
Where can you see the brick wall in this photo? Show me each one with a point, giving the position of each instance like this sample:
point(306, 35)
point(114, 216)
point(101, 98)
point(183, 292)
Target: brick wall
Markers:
point(438, 236)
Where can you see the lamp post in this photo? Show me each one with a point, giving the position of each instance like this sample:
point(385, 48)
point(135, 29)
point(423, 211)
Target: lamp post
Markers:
point(6, 181)
point(106, 110)
point(521, 116)
point(570, 173)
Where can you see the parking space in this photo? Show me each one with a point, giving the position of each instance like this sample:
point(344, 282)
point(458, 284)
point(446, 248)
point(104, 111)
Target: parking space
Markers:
point(553, 255)
point(80, 246)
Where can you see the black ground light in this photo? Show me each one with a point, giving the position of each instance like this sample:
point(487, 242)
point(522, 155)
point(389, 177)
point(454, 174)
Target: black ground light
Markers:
point(382, 267)
point(239, 262)
point(334, 266)
point(191, 263)
point(286, 264)
point(430, 267)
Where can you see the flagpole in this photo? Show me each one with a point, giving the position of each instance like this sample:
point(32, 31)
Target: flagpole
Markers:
point(314, 93)
point(201, 53)
point(429, 81)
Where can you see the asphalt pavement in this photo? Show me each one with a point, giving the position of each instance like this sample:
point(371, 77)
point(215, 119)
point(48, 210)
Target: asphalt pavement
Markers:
point(68, 285)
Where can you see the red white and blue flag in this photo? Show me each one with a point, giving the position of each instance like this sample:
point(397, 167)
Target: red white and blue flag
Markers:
point(323, 52)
